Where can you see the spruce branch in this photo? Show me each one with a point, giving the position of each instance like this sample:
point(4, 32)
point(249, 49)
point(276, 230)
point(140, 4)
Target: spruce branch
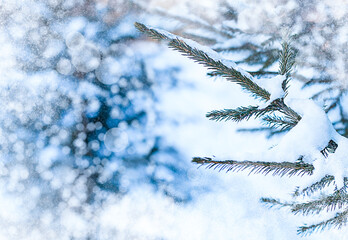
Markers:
point(279, 115)
point(245, 113)
point(218, 68)
point(313, 81)
point(215, 65)
point(323, 183)
point(338, 221)
point(150, 32)
point(330, 148)
point(245, 46)
point(271, 202)
point(252, 73)
point(262, 72)
point(195, 23)
point(231, 74)
point(325, 91)
point(337, 200)
point(287, 111)
point(281, 169)
point(282, 123)
point(332, 202)
point(239, 114)
point(286, 62)
point(333, 104)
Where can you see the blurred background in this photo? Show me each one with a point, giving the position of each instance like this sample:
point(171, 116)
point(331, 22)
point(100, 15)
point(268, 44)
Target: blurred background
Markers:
point(99, 123)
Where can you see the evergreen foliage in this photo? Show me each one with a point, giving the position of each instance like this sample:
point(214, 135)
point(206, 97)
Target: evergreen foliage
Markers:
point(215, 65)
point(281, 169)
point(318, 45)
point(277, 114)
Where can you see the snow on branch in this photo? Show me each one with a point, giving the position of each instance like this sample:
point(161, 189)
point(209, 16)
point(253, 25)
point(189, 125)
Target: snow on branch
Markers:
point(332, 202)
point(338, 221)
point(310, 147)
point(311, 136)
point(210, 59)
point(281, 169)
point(323, 183)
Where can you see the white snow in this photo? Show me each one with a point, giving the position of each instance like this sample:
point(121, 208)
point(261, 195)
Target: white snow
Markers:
point(309, 136)
point(273, 86)
point(226, 208)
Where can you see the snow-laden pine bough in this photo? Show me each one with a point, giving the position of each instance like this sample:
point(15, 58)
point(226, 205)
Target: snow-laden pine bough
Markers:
point(311, 145)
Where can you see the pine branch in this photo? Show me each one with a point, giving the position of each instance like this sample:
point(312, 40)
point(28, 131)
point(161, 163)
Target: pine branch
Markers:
point(217, 67)
point(245, 46)
point(282, 123)
point(271, 202)
point(151, 32)
point(286, 62)
point(239, 114)
point(267, 57)
point(195, 23)
point(283, 108)
point(272, 57)
point(231, 74)
point(262, 72)
point(338, 221)
point(325, 91)
point(333, 105)
point(332, 202)
point(313, 81)
point(245, 113)
point(281, 169)
point(330, 148)
point(252, 73)
point(323, 183)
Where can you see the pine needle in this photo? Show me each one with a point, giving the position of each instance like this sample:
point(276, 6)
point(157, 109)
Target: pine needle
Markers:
point(239, 114)
point(323, 183)
point(286, 62)
point(331, 202)
point(338, 221)
point(281, 123)
point(281, 169)
point(150, 32)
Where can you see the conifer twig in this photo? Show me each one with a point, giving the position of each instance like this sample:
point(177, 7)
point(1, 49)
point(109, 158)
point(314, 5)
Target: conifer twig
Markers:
point(283, 108)
point(274, 121)
point(330, 203)
point(324, 182)
point(281, 169)
point(338, 221)
point(218, 68)
point(216, 65)
point(239, 114)
point(245, 113)
point(150, 32)
point(271, 202)
point(336, 200)
point(286, 62)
